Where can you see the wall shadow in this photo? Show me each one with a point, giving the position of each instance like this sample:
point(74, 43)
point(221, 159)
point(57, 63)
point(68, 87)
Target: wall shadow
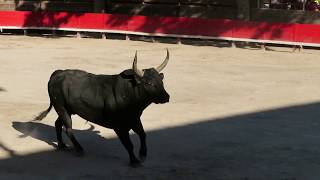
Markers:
point(281, 143)
point(51, 14)
point(48, 14)
point(49, 19)
point(54, 5)
point(193, 9)
point(220, 28)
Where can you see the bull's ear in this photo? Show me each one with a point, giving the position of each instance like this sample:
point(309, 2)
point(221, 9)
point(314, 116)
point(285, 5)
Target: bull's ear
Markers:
point(136, 79)
point(127, 74)
point(161, 75)
point(130, 74)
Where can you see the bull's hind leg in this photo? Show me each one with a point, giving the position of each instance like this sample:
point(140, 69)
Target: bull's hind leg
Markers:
point(67, 122)
point(58, 125)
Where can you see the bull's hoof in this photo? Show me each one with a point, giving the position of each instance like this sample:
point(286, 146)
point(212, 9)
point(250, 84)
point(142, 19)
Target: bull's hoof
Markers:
point(135, 164)
point(78, 153)
point(143, 154)
point(62, 147)
point(142, 158)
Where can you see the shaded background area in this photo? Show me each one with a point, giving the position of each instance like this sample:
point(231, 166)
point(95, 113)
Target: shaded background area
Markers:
point(250, 14)
point(180, 8)
point(54, 5)
point(279, 143)
point(286, 11)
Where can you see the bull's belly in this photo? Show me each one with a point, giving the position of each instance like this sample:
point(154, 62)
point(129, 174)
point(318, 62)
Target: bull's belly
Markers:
point(95, 116)
point(103, 116)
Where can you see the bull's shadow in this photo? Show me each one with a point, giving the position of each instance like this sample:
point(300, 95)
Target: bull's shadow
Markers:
point(47, 134)
point(93, 143)
point(89, 137)
point(2, 89)
point(275, 144)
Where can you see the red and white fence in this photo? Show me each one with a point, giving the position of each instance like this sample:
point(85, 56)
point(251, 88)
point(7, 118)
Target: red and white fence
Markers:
point(226, 29)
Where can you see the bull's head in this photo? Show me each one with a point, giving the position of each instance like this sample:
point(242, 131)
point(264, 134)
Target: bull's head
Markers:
point(151, 80)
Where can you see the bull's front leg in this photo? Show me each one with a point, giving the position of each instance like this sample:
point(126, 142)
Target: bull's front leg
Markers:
point(138, 128)
point(125, 140)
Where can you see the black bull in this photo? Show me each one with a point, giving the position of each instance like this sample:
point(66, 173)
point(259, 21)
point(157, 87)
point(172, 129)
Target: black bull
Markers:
point(112, 101)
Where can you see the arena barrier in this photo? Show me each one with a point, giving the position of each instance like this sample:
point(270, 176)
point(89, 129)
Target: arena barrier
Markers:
point(180, 27)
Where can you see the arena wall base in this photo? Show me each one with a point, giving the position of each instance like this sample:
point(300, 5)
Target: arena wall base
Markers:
point(174, 27)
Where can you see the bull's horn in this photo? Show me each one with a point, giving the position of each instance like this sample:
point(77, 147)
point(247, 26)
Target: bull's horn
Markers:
point(91, 128)
point(164, 64)
point(135, 68)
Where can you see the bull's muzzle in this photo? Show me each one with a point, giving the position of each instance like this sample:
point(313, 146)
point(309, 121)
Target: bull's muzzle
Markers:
point(164, 99)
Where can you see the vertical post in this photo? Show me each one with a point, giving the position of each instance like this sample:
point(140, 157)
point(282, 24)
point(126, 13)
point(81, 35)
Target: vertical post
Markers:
point(179, 40)
point(300, 48)
point(243, 9)
point(263, 47)
point(78, 35)
point(297, 47)
point(104, 35)
point(99, 6)
point(152, 39)
point(54, 33)
point(233, 44)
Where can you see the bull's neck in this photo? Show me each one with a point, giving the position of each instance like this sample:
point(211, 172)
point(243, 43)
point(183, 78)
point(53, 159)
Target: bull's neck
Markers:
point(141, 97)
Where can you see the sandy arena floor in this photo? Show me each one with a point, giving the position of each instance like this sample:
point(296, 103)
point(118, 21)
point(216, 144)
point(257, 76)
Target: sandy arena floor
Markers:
point(234, 114)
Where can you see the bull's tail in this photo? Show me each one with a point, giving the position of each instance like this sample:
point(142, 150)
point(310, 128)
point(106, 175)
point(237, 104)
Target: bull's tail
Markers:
point(43, 114)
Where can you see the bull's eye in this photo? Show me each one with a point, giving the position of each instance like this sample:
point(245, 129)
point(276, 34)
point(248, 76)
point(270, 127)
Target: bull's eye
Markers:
point(150, 84)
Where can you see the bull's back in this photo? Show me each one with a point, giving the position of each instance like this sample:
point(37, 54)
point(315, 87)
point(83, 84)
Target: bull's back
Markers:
point(67, 82)
point(80, 93)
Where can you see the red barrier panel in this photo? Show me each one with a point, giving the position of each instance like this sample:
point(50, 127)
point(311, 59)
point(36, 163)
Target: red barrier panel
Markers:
point(160, 25)
point(117, 22)
point(264, 31)
point(280, 32)
point(39, 19)
point(13, 18)
point(92, 21)
point(31, 19)
point(207, 27)
point(248, 30)
point(62, 19)
point(172, 26)
point(307, 33)
point(181, 26)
